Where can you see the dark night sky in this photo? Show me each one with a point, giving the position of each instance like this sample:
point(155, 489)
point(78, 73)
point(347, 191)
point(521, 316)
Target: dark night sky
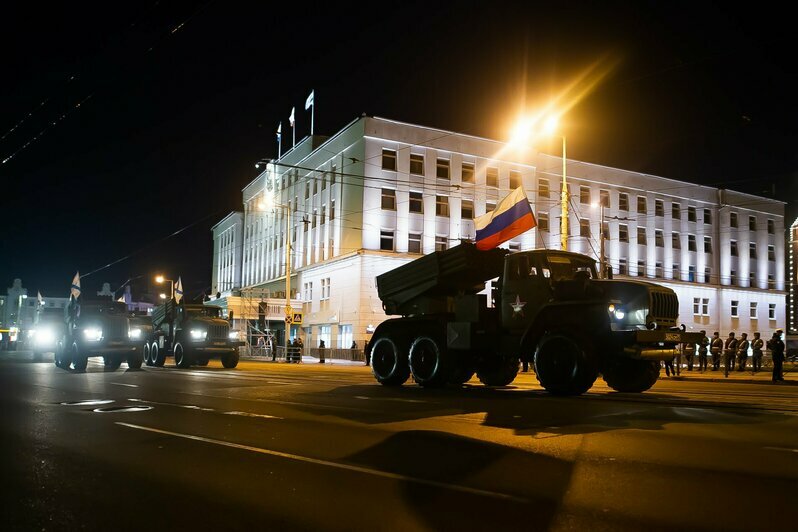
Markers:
point(173, 121)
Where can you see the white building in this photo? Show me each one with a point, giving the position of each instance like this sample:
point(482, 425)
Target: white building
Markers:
point(379, 193)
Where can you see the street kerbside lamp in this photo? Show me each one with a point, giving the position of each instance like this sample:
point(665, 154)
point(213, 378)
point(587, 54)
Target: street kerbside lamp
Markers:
point(524, 131)
point(160, 279)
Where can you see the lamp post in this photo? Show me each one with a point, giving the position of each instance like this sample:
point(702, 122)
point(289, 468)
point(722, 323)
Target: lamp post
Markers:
point(161, 279)
point(289, 312)
point(602, 268)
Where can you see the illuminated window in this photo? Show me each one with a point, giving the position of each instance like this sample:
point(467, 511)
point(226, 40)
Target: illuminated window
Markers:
point(416, 164)
point(515, 179)
point(389, 159)
point(543, 188)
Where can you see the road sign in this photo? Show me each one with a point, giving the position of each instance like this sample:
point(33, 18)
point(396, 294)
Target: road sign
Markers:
point(297, 318)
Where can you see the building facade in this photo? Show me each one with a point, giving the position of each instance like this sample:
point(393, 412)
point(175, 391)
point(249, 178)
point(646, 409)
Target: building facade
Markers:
point(379, 193)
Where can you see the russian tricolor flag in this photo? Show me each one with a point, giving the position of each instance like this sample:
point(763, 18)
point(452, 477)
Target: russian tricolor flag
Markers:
point(512, 217)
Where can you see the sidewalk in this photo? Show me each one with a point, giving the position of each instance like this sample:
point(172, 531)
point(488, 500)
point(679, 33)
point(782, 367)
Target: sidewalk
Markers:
point(306, 359)
point(764, 376)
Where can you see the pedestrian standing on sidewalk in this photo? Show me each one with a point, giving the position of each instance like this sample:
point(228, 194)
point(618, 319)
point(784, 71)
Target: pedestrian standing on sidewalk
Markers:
point(776, 347)
point(729, 354)
point(715, 347)
point(742, 352)
point(689, 355)
point(669, 371)
point(366, 352)
point(756, 348)
point(703, 347)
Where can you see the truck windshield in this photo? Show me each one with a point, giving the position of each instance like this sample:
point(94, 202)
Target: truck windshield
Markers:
point(203, 313)
point(562, 268)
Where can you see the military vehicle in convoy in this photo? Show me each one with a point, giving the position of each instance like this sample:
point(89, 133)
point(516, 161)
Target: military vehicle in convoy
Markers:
point(192, 334)
point(546, 307)
point(100, 328)
point(48, 329)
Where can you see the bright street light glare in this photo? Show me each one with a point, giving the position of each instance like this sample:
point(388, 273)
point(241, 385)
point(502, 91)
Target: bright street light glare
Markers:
point(159, 279)
point(550, 125)
point(594, 205)
point(163, 296)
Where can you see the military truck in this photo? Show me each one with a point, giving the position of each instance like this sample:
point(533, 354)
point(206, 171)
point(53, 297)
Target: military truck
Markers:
point(100, 328)
point(192, 334)
point(547, 307)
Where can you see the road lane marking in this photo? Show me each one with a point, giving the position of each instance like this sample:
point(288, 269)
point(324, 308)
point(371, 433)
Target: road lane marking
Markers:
point(397, 399)
point(123, 384)
point(205, 409)
point(336, 465)
point(785, 449)
point(250, 414)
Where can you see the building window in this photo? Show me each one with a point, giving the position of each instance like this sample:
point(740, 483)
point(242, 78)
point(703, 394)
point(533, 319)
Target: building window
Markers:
point(492, 178)
point(467, 209)
point(543, 188)
point(707, 275)
point(696, 306)
point(325, 289)
point(707, 244)
point(622, 268)
point(307, 190)
point(388, 199)
point(314, 218)
point(659, 239)
point(771, 253)
point(605, 230)
point(752, 279)
point(771, 281)
point(752, 310)
point(416, 164)
point(676, 211)
point(584, 228)
point(752, 250)
point(414, 242)
point(752, 223)
point(623, 233)
point(468, 173)
point(733, 248)
point(641, 236)
point(442, 169)
point(604, 198)
point(733, 277)
point(641, 204)
point(515, 179)
point(388, 159)
point(584, 195)
point(705, 306)
point(659, 208)
point(333, 171)
point(416, 202)
point(658, 270)
point(676, 241)
point(735, 313)
point(641, 268)
point(543, 221)
point(308, 292)
point(332, 210)
point(691, 243)
point(675, 272)
point(490, 206)
point(440, 243)
point(707, 216)
point(691, 214)
point(771, 227)
point(386, 240)
point(733, 219)
point(691, 274)
point(442, 205)
point(771, 311)
point(623, 201)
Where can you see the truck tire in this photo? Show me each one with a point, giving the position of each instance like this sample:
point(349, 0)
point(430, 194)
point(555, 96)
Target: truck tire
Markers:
point(462, 374)
point(79, 361)
point(146, 352)
point(62, 358)
point(157, 355)
point(499, 371)
point(564, 365)
point(111, 363)
point(389, 363)
point(202, 362)
point(430, 362)
point(136, 358)
point(182, 359)
point(630, 375)
point(229, 360)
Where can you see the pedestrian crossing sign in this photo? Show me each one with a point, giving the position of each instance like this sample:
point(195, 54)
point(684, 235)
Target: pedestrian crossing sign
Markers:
point(297, 318)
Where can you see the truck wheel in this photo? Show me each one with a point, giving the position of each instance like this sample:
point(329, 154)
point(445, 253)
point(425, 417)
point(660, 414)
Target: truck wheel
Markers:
point(136, 358)
point(62, 358)
point(182, 359)
point(499, 372)
point(462, 374)
point(146, 352)
point(563, 365)
point(157, 355)
point(630, 375)
point(430, 365)
point(229, 360)
point(388, 363)
point(202, 362)
point(79, 361)
point(111, 363)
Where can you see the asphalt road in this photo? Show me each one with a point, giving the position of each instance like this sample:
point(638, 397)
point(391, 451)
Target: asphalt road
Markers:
point(319, 447)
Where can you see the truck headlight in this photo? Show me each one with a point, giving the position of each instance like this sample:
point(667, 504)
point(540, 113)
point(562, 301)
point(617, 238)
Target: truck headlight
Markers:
point(198, 335)
point(45, 336)
point(93, 334)
point(619, 313)
point(233, 335)
point(134, 334)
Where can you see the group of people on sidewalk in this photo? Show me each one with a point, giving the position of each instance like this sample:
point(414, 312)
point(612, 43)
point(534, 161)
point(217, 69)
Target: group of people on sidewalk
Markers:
point(734, 354)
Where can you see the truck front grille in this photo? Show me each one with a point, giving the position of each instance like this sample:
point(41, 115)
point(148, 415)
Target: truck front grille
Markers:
point(218, 332)
point(115, 329)
point(664, 307)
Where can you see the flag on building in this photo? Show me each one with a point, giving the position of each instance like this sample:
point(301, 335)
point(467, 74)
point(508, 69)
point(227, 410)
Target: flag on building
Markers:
point(511, 217)
point(291, 118)
point(178, 290)
point(75, 290)
point(39, 297)
point(309, 101)
point(279, 131)
point(121, 299)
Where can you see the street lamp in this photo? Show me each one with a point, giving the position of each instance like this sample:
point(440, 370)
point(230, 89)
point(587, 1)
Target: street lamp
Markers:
point(161, 279)
point(602, 267)
point(522, 132)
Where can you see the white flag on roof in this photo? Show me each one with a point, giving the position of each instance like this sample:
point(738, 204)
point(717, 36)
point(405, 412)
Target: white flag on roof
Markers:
point(291, 118)
point(309, 101)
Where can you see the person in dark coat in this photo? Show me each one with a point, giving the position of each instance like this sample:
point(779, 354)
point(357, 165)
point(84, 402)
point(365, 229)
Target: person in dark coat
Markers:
point(715, 349)
point(366, 352)
point(742, 352)
point(689, 355)
point(669, 370)
point(776, 346)
point(729, 354)
point(756, 348)
point(703, 348)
